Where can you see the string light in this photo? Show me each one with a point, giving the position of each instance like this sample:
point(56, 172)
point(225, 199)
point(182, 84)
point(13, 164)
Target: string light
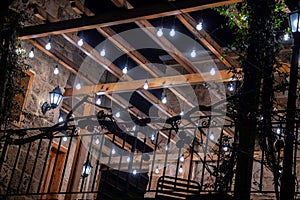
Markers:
point(211, 137)
point(193, 53)
point(164, 99)
point(48, 45)
point(231, 87)
point(80, 42)
point(212, 71)
point(180, 169)
point(65, 139)
point(134, 172)
point(98, 101)
point(181, 113)
point(60, 119)
point(125, 70)
point(181, 159)
point(78, 86)
point(128, 159)
point(160, 32)
point(31, 53)
point(113, 151)
point(157, 170)
point(286, 37)
point(225, 148)
point(102, 52)
point(172, 32)
point(134, 128)
point(278, 131)
point(56, 71)
point(97, 141)
point(199, 26)
point(152, 137)
point(146, 85)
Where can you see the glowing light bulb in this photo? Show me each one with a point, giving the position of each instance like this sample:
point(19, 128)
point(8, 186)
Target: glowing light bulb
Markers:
point(56, 71)
point(172, 32)
point(118, 114)
point(166, 148)
point(78, 86)
point(113, 151)
point(98, 102)
point(211, 137)
point(286, 37)
point(199, 26)
point(128, 159)
point(65, 139)
point(97, 141)
point(181, 113)
point(278, 131)
point(134, 172)
point(212, 71)
point(181, 159)
point(48, 45)
point(152, 137)
point(60, 119)
point(225, 148)
point(164, 100)
point(156, 170)
point(160, 32)
point(134, 128)
point(146, 85)
point(102, 52)
point(31, 53)
point(193, 53)
point(80, 42)
point(180, 169)
point(230, 87)
point(125, 70)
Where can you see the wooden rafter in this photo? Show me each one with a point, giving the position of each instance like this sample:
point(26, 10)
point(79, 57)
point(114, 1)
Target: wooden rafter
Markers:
point(120, 17)
point(154, 83)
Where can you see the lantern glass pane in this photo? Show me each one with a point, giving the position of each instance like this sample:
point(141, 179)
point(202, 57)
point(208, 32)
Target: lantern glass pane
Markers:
point(295, 22)
point(86, 170)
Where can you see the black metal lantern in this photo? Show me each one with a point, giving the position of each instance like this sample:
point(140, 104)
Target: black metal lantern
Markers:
point(55, 99)
point(86, 168)
point(294, 19)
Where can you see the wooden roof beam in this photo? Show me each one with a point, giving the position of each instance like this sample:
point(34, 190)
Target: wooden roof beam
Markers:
point(121, 17)
point(154, 83)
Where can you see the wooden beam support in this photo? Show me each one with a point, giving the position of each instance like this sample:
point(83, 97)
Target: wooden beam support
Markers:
point(205, 38)
point(154, 83)
point(121, 17)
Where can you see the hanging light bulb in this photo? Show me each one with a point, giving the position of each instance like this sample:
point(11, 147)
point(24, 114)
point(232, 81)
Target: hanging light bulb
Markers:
point(211, 137)
point(199, 26)
point(231, 87)
point(65, 139)
point(146, 85)
point(56, 71)
point(134, 172)
point(128, 159)
point(181, 113)
point(78, 86)
point(48, 45)
point(97, 141)
point(180, 169)
point(166, 148)
point(157, 170)
point(102, 52)
point(212, 71)
point(225, 148)
point(193, 53)
point(152, 137)
point(31, 53)
point(286, 37)
point(113, 151)
point(160, 32)
point(118, 114)
point(134, 128)
point(98, 101)
point(172, 32)
point(181, 159)
point(278, 131)
point(80, 42)
point(164, 99)
point(60, 119)
point(125, 70)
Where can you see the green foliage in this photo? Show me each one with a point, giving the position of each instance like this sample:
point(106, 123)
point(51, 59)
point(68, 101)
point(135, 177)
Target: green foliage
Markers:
point(12, 65)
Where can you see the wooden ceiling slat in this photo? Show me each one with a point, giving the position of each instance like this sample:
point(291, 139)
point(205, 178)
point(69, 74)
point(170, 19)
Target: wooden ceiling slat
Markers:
point(121, 17)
